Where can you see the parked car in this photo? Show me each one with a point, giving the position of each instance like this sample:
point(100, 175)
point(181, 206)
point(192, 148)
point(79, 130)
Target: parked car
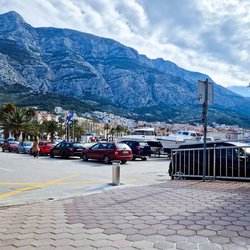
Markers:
point(1, 142)
point(107, 152)
point(140, 149)
point(45, 147)
point(24, 147)
point(224, 159)
point(66, 149)
point(10, 146)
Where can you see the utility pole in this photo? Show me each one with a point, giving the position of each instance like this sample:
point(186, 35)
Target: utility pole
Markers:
point(205, 96)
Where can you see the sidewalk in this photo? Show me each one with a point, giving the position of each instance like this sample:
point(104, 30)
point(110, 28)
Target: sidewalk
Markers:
point(173, 215)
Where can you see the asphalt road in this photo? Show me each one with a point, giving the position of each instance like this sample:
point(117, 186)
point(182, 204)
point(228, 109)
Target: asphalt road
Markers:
point(24, 179)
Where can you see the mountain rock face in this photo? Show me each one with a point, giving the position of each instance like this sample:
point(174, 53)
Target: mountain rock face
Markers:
point(77, 64)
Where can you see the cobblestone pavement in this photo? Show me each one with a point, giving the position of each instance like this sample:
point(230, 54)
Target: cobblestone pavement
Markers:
point(173, 215)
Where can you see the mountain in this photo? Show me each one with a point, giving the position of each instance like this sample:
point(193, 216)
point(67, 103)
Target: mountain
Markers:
point(91, 68)
point(240, 90)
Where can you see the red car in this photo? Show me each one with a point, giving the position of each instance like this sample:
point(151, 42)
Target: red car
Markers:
point(45, 147)
point(107, 152)
point(10, 146)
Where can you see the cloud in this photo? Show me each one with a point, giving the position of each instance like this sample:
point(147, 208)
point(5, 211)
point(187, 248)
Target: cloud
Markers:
point(209, 36)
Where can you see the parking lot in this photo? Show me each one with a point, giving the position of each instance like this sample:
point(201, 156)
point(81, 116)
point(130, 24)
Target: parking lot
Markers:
point(25, 179)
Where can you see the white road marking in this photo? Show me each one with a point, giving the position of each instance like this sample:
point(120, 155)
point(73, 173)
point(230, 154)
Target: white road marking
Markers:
point(6, 169)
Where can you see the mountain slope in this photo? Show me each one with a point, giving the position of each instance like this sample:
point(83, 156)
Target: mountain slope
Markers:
point(88, 67)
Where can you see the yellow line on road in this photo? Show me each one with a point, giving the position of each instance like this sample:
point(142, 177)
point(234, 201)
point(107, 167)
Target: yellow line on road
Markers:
point(53, 182)
point(58, 183)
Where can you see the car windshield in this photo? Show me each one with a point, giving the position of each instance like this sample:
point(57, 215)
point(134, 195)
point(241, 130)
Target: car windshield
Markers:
point(78, 145)
point(27, 143)
point(14, 142)
point(143, 144)
point(122, 146)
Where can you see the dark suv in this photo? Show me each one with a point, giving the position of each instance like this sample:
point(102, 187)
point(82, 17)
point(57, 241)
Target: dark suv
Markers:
point(66, 149)
point(140, 149)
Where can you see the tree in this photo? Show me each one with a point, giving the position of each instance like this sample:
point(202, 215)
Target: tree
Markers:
point(119, 129)
point(106, 128)
point(51, 128)
point(16, 121)
point(112, 133)
point(36, 129)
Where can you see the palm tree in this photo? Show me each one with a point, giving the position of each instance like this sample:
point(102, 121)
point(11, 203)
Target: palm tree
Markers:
point(16, 121)
point(112, 133)
point(119, 129)
point(106, 128)
point(36, 129)
point(50, 127)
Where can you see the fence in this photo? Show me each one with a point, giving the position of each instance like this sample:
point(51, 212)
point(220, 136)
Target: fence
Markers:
point(231, 162)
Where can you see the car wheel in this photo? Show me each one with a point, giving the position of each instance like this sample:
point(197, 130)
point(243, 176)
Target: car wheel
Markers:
point(123, 162)
point(51, 155)
point(133, 158)
point(106, 159)
point(3, 149)
point(144, 158)
point(84, 157)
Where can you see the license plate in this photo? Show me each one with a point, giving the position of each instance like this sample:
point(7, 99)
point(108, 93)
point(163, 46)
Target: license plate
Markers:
point(79, 149)
point(125, 152)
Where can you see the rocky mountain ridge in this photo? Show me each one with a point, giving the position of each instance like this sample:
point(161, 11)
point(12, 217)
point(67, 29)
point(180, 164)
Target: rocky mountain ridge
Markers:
point(85, 66)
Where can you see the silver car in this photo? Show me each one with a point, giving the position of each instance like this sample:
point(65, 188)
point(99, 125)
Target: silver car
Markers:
point(24, 147)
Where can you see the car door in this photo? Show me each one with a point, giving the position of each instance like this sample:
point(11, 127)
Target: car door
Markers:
point(57, 149)
point(102, 151)
point(93, 152)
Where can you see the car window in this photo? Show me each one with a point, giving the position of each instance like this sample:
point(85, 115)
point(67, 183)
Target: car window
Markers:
point(128, 143)
point(122, 146)
point(111, 146)
point(143, 144)
point(78, 145)
point(95, 147)
point(13, 142)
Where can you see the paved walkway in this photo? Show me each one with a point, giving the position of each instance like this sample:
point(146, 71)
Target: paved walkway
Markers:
point(173, 215)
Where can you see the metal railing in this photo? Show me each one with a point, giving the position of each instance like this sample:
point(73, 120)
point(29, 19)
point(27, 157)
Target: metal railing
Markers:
point(231, 162)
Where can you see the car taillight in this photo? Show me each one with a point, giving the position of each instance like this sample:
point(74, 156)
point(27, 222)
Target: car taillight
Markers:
point(138, 147)
point(70, 149)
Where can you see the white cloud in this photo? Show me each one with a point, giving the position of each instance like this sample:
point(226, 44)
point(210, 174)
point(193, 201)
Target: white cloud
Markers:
point(209, 36)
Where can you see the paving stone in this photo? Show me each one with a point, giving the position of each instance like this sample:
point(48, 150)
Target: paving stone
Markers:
point(210, 246)
point(227, 233)
point(233, 246)
point(136, 237)
point(121, 244)
point(186, 232)
point(143, 244)
point(219, 239)
point(207, 232)
point(176, 238)
point(81, 243)
point(186, 245)
point(129, 231)
point(241, 240)
point(155, 238)
point(197, 239)
point(147, 231)
point(115, 237)
point(164, 245)
point(167, 232)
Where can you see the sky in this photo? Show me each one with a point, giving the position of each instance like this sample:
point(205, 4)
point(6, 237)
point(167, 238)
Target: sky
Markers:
point(208, 36)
